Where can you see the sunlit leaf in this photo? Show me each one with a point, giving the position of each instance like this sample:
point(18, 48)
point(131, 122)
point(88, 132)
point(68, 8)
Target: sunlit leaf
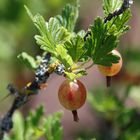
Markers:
point(63, 56)
point(110, 6)
point(18, 126)
point(28, 60)
point(75, 48)
point(69, 16)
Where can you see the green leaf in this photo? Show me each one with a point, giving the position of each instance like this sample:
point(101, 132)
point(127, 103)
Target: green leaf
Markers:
point(108, 60)
point(18, 128)
point(103, 103)
point(44, 44)
point(69, 16)
point(110, 6)
point(101, 43)
point(58, 33)
point(117, 25)
point(52, 32)
point(33, 124)
point(45, 39)
point(29, 13)
point(36, 115)
point(53, 128)
point(36, 126)
point(75, 48)
point(63, 56)
point(28, 60)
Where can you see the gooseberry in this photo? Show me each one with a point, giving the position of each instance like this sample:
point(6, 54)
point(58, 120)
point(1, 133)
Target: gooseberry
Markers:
point(72, 95)
point(114, 69)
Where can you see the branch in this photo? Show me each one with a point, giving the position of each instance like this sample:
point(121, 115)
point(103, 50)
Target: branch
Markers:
point(21, 97)
point(41, 76)
point(126, 4)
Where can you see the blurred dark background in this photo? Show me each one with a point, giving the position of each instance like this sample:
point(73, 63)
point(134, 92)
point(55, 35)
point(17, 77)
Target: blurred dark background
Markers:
point(17, 35)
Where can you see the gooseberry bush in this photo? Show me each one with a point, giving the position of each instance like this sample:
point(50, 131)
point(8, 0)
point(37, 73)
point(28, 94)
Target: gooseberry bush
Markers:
point(70, 54)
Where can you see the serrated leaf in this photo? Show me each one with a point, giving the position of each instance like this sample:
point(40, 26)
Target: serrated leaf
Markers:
point(75, 48)
point(108, 60)
point(101, 43)
point(28, 60)
point(33, 124)
point(53, 128)
point(63, 56)
point(62, 35)
point(44, 44)
point(117, 25)
point(52, 32)
point(58, 33)
point(36, 115)
point(88, 46)
point(121, 21)
point(36, 126)
point(110, 6)
point(69, 16)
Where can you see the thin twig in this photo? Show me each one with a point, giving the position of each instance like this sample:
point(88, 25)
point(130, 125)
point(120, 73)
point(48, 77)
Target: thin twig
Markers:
point(88, 67)
point(22, 97)
point(126, 4)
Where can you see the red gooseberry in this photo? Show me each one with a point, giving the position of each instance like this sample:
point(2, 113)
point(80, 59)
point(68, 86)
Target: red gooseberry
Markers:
point(72, 95)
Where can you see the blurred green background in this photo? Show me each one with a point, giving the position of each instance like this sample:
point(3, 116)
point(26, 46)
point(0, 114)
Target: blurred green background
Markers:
point(17, 35)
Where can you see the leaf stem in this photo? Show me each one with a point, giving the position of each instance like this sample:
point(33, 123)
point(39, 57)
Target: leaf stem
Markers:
point(90, 66)
point(80, 66)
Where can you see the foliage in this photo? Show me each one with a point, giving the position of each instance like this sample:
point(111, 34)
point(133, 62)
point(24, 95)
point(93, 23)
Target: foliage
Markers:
point(69, 48)
point(122, 120)
point(36, 125)
point(27, 60)
point(110, 6)
point(73, 51)
point(69, 16)
point(105, 37)
point(133, 56)
point(102, 43)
